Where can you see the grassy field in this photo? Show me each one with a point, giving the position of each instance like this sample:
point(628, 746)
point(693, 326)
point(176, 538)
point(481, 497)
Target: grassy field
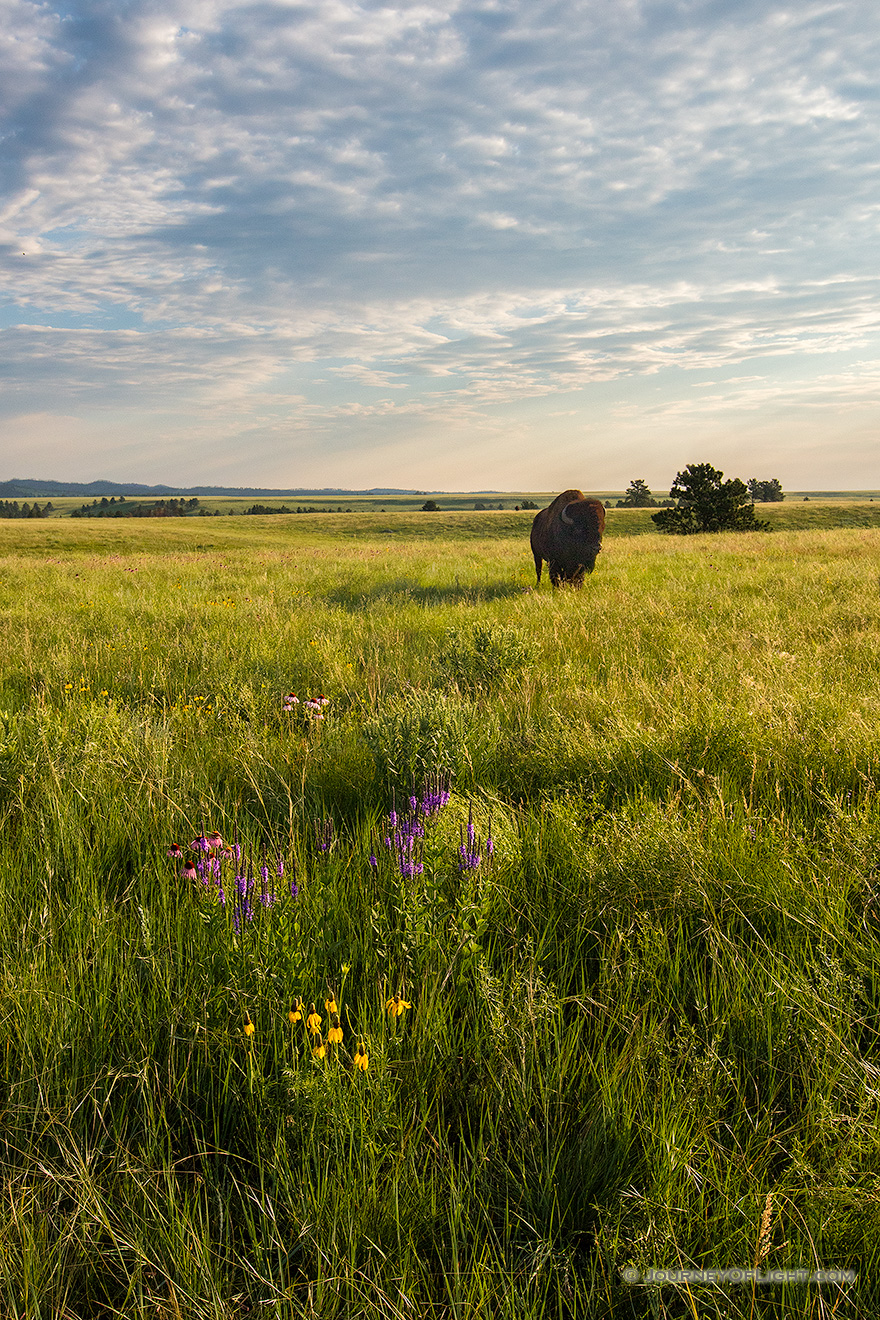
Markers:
point(641, 1026)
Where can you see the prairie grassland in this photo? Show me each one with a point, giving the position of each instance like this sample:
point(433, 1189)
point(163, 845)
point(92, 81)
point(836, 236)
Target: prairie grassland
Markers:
point(652, 1008)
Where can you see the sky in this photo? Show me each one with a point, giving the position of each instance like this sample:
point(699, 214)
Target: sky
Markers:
point(494, 244)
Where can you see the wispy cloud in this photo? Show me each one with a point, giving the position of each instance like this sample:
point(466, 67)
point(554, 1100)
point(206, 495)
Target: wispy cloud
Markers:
point(430, 210)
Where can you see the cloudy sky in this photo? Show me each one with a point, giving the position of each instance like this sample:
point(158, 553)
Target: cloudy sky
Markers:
point(504, 244)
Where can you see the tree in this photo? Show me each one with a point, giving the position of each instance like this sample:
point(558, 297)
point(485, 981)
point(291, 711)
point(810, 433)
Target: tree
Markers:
point(637, 496)
point(528, 504)
point(705, 503)
point(430, 506)
point(765, 492)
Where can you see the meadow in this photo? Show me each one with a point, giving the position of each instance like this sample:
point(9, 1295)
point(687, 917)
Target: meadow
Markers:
point(607, 996)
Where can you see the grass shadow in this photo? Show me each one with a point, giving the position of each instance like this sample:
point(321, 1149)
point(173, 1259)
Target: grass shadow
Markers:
point(356, 599)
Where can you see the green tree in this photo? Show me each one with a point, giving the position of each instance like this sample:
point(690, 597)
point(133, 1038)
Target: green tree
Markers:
point(430, 506)
point(637, 496)
point(705, 503)
point(765, 492)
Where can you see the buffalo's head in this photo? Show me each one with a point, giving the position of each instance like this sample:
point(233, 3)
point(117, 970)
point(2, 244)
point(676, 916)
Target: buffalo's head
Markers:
point(582, 524)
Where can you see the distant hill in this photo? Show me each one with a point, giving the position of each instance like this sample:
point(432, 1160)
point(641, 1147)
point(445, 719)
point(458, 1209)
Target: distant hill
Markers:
point(28, 488)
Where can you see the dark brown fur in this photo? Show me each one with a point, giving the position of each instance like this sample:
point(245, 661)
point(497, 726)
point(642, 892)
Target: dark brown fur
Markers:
point(570, 548)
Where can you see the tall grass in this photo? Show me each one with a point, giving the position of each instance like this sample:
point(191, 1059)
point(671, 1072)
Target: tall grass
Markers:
point(655, 1009)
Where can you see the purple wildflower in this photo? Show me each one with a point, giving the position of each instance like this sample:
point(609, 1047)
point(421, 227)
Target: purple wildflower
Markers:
point(267, 894)
point(324, 834)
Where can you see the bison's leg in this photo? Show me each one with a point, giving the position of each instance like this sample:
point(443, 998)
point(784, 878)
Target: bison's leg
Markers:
point(557, 572)
point(539, 564)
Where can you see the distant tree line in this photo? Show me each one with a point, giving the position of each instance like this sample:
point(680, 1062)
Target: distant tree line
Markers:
point(12, 509)
point(123, 508)
point(300, 508)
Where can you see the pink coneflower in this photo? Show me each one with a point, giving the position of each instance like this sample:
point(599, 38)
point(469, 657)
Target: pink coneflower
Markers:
point(175, 851)
point(214, 840)
point(189, 871)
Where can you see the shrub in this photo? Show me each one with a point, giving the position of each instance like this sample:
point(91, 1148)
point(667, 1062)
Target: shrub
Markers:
point(417, 734)
point(484, 656)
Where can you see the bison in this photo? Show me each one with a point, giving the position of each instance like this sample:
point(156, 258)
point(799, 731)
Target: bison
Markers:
point(569, 536)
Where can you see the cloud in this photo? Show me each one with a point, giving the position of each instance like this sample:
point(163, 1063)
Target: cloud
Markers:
point(429, 209)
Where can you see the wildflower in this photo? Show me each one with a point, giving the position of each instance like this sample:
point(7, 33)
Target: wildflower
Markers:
point(319, 1049)
point(214, 840)
point(334, 1035)
point(267, 894)
point(313, 1021)
point(68, 687)
point(396, 1006)
point(175, 851)
point(189, 871)
point(361, 1058)
point(373, 861)
point(324, 834)
point(330, 1005)
point(249, 1027)
point(295, 1014)
point(200, 844)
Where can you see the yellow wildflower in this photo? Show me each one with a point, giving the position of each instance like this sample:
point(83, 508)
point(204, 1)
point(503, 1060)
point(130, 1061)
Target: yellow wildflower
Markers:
point(397, 1005)
point(295, 1013)
point(249, 1027)
point(334, 1035)
point(330, 1004)
point(361, 1058)
point(319, 1049)
point(313, 1021)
